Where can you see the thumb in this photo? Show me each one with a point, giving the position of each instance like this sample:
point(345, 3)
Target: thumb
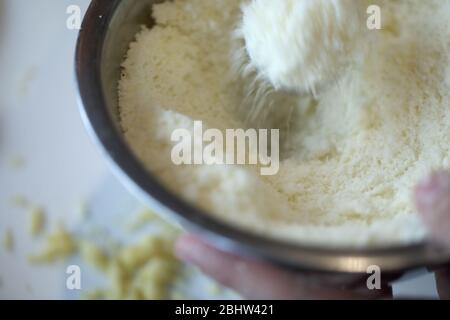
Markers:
point(432, 197)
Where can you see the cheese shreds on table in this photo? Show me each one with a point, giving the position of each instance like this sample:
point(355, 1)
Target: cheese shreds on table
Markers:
point(143, 269)
point(146, 269)
point(36, 221)
point(350, 158)
point(59, 244)
point(8, 240)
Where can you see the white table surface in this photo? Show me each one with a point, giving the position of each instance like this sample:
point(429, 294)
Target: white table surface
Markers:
point(39, 122)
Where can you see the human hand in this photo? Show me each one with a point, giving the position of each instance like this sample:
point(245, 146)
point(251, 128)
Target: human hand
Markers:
point(257, 280)
point(433, 203)
point(261, 281)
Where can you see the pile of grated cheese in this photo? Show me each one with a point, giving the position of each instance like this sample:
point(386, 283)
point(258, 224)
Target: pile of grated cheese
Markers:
point(351, 157)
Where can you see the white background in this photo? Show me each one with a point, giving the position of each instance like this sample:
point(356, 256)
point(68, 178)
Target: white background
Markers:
point(39, 122)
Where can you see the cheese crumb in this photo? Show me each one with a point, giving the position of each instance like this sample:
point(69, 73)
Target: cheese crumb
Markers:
point(8, 240)
point(36, 221)
point(144, 270)
point(17, 162)
point(97, 294)
point(59, 245)
point(214, 289)
point(93, 255)
point(20, 201)
point(143, 218)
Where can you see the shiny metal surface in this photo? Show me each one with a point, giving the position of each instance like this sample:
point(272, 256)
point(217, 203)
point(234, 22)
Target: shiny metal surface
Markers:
point(109, 26)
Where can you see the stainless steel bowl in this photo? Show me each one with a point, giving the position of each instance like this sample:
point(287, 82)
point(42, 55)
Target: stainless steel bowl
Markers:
point(108, 28)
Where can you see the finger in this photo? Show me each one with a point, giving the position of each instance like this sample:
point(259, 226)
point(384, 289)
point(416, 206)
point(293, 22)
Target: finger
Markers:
point(443, 283)
point(432, 198)
point(256, 280)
